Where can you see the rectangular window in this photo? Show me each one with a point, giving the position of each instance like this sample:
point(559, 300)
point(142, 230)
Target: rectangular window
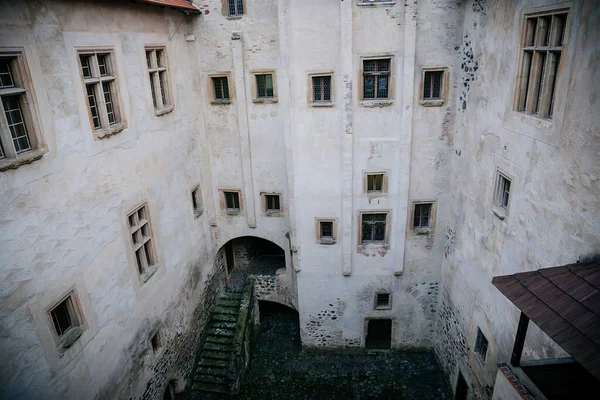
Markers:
point(542, 40)
point(272, 203)
point(383, 301)
point(481, 345)
point(100, 80)
point(156, 342)
point(142, 240)
point(221, 89)
point(235, 8)
point(321, 86)
point(375, 183)
point(66, 321)
point(373, 228)
point(422, 215)
point(232, 202)
point(197, 202)
point(502, 192)
point(376, 77)
point(157, 69)
point(16, 127)
point(326, 230)
point(264, 86)
point(432, 85)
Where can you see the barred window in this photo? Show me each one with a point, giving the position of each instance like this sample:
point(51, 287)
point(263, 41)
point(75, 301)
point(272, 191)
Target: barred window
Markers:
point(481, 345)
point(221, 88)
point(232, 202)
point(383, 301)
point(321, 89)
point(542, 42)
point(272, 203)
point(376, 76)
point(326, 230)
point(235, 8)
point(374, 228)
point(432, 85)
point(99, 78)
point(142, 240)
point(422, 215)
point(159, 80)
point(264, 86)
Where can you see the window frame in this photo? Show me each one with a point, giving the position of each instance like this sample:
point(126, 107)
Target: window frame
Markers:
point(444, 88)
point(310, 95)
point(432, 217)
point(144, 272)
point(377, 102)
point(254, 86)
point(386, 240)
point(106, 129)
point(500, 210)
point(375, 3)
point(480, 341)
point(384, 184)
point(376, 305)
point(225, 9)
point(196, 195)
point(154, 70)
point(223, 202)
point(211, 88)
point(65, 341)
point(326, 240)
point(23, 88)
point(264, 204)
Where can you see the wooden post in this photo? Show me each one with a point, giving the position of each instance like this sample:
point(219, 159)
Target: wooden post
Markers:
point(515, 360)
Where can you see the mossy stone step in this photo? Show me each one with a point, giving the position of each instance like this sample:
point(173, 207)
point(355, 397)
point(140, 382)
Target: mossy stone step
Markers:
point(213, 371)
point(210, 387)
point(210, 379)
point(223, 324)
point(231, 295)
point(228, 303)
point(226, 310)
point(216, 354)
point(221, 332)
point(211, 362)
point(224, 317)
point(226, 340)
point(217, 347)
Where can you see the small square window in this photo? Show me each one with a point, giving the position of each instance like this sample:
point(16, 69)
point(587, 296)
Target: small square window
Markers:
point(264, 86)
point(433, 84)
point(376, 78)
point(326, 231)
point(321, 89)
point(221, 89)
point(376, 183)
point(422, 215)
point(66, 321)
point(272, 204)
point(232, 202)
point(156, 342)
point(235, 8)
point(374, 227)
point(481, 345)
point(142, 241)
point(502, 195)
point(383, 301)
point(197, 202)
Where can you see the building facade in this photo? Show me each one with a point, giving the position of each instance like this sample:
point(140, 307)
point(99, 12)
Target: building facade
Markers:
point(400, 153)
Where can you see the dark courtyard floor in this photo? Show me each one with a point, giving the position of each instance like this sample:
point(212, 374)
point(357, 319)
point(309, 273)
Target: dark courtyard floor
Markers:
point(281, 369)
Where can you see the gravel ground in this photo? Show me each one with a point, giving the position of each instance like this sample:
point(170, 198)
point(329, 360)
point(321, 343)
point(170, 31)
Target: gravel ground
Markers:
point(281, 369)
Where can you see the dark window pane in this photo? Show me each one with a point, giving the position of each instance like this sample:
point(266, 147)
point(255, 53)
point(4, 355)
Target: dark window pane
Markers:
point(61, 317)
point(317, 89)
point(6, 79)
point(152, 90)
point(85, 66)
point(326, 229)
point(161, 81)
point(91, 95)
point(264, 85)
point(326, 88)
point(103, 65)
point(369, 87)
point(221, 88)
point(16, 124)
point(109, 102)
point(382, 87)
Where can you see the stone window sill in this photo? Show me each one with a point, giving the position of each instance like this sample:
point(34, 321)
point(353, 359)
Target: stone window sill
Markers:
point(375, 194)
point(234, 17)
point(374, 245)
point(383, 308)
point(220, 102)
point(376, 103)
point(70, 337)
point(326, 241)
point(375, 4)
point(198, 213)
point(22, 159)
point(322, 104)
point(108, 132)
point(233, 212)
point(163, 111)
point(269, 100)
point(422, 231)
point(432, 103)
point(148, 272)
point(499, 212)
point(273, 213)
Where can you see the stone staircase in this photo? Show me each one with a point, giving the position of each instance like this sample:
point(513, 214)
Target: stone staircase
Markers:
point(213, 369)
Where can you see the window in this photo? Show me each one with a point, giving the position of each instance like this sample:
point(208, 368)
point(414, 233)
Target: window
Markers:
point(321, 89)
point(264, 85)
point(272, 207)
point(264, 88)
point(481, 345)
point(543, 36)
point(197, 202)
point(66, 321)
point(99, 78)
point(373, 228)
point(422, 215)
point(156, 342)
point(433, 84)
point(326, 230)
point(232, 202)
point(383, 301)
point(376, 77)
point(235, 8)
point(367, 2)
point(159, 83)
point(376, 183)
point(501, 195)
point(221, 89)
point(142, 240)
point(18, 138)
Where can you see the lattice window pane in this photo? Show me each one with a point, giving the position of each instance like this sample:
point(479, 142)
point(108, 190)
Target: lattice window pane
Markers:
point(103, 65)
point(382, 87)
point(326, 229)
point(16, 123)
point(6, 78)
point(327, 88)
point(236, 7)
point(264, 85)
point(232, 200)
point(106, 89)
point(369, 87)
point(383, 65)
point(221, 88)
point(317, 87)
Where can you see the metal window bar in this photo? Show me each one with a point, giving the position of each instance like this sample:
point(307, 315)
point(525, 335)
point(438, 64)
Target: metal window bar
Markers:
point(375, 183)
point(6, 78)
point(272, 202)
point(481, 345)
point(383, 300)
point(373, 228)
point(321, 89)
point(221, 87)
point(16, 123)
point(264, 85)
point(110, 112)
point(236, 8)
point(232, 200)
point(326, 229)
point(376, 79)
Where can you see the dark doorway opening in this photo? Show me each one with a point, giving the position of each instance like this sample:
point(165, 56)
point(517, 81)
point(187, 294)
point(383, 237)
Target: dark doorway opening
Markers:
point(379, 334)
point(229, 257)
point(462, 389)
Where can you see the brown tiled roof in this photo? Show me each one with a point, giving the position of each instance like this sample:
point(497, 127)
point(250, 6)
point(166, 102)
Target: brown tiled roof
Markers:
point(177, 4)
point(565, 303)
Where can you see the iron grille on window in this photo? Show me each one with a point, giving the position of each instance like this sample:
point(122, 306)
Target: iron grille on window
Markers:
point(221, 87)
point(376, 75)
point(422, 215)
point(542, 44)
point(374, 183)
point(232, 201)
point(481, 345)
point(157, 68)
point(272, 202)
point(432, 85)
point(502, 191)
point(16, 139)
point(321, 89)
point(100, 81)
point(326, 229)
point(264, 85)
point(383, 300)
point(236, 7)
point(373, 228)
point(141, 237)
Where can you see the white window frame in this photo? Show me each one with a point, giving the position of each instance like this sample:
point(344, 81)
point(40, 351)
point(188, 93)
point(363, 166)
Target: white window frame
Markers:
point(197, 200)
point(500, 209)
point(147, 263)
point(158, 66)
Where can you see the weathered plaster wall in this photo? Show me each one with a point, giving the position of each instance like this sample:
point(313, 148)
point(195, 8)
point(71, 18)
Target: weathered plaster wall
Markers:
point(554, 208)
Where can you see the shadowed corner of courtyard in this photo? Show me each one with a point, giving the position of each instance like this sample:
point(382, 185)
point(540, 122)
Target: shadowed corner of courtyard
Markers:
point(281, 369)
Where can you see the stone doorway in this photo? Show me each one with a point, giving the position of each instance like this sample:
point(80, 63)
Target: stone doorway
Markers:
point(379, 334)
